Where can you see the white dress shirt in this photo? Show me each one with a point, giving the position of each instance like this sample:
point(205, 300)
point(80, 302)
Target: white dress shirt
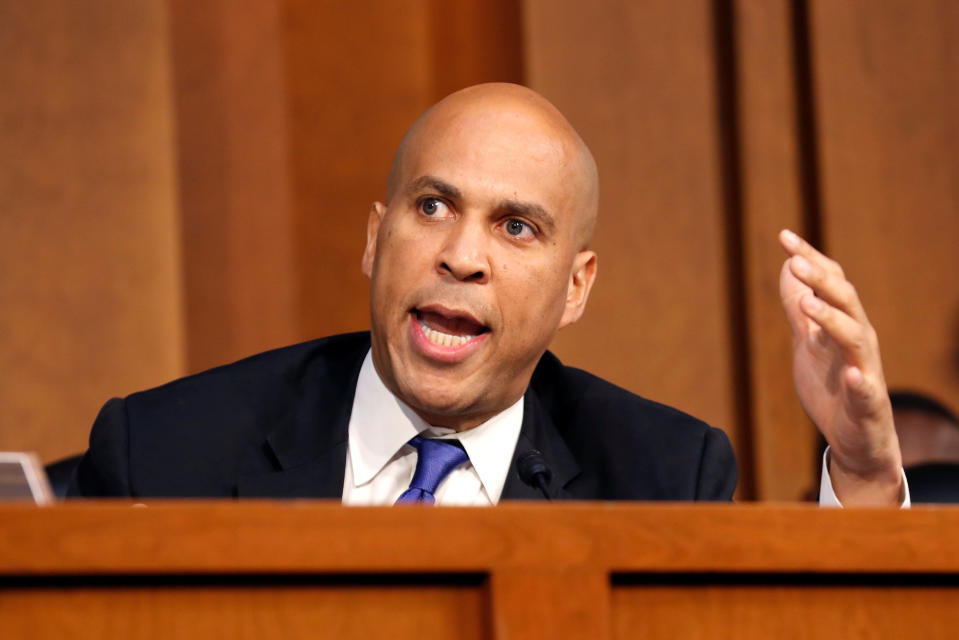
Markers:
point(380, 462)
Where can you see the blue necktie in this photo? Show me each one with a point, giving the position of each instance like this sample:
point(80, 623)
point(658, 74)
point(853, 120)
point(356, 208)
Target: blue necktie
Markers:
point(435, 460)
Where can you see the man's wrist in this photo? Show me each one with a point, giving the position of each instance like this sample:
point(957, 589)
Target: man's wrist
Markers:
point(840, 488)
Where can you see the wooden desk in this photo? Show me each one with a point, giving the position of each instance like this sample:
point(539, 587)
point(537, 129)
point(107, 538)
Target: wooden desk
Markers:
point(312, 570)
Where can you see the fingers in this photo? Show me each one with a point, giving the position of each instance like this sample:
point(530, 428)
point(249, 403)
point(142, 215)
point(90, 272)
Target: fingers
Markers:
point(814, 288)
point(868, 394)
point(791, 291)
point(822, 275)
point(857, 341)
point(794, 245)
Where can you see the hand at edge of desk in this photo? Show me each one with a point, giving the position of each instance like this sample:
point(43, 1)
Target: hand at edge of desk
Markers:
point(838, 375)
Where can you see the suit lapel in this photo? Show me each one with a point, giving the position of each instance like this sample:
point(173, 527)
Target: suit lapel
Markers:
point(305, 454)
point(306, 451)
point(539, 432)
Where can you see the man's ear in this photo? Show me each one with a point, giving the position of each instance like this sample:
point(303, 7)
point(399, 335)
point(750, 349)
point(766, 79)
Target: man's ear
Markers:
point(581, 279)
point(377, 211)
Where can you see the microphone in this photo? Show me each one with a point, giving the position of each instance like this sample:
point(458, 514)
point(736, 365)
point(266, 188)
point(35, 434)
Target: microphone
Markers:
point(534, 472)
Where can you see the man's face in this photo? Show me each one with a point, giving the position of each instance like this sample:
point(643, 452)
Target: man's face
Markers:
point(476, 262)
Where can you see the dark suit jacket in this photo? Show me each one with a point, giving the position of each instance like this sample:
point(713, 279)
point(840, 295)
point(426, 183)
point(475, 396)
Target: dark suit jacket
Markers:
point(275, 425)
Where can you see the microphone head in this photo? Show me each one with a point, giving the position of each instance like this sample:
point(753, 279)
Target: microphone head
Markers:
point(530, 465)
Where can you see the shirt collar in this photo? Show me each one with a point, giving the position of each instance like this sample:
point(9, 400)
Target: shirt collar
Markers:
point(381, 423)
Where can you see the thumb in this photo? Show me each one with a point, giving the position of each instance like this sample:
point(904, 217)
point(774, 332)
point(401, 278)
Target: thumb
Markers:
point(865, 394)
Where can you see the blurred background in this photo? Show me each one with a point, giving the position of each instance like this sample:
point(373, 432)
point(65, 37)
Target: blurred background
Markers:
point(184, 183)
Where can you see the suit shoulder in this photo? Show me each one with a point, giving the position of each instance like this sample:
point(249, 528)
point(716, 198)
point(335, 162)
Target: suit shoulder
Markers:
point(248, 395)
point(632, 447)
point(194, 435)
point(571, 391)
point(322, 357)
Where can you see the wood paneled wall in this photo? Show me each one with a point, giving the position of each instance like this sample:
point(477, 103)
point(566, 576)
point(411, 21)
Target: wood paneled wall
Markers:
point(886, 90)
point(182, 184)
point(233, 157)
point(90, 283)
point(639, 82)
point(767, 165)
point(358, 74)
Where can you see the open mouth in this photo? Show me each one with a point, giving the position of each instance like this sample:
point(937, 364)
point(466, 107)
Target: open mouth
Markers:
point(448, 328)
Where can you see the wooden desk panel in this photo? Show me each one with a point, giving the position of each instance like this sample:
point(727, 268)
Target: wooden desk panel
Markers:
point(238, 612)
point(763, 611)
point(290, 569)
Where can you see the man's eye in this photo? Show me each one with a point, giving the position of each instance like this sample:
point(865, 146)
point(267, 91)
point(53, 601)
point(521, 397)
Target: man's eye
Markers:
point(518, 228)
point(434, 207)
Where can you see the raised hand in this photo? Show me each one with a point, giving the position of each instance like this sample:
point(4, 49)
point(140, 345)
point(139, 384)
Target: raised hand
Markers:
point(838, 375)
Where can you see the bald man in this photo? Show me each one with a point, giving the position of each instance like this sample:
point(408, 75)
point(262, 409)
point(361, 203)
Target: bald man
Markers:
point(479, 255)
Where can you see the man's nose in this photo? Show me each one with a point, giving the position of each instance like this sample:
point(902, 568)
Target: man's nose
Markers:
point(465, 253)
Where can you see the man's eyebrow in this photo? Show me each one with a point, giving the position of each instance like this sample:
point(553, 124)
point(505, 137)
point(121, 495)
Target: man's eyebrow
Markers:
point(432, 182)
point(530, 210)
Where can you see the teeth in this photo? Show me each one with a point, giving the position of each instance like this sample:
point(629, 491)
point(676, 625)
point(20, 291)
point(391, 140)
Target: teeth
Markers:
point(444, 339)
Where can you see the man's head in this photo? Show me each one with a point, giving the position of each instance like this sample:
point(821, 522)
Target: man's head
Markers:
point(480, 253)
point(928, 431)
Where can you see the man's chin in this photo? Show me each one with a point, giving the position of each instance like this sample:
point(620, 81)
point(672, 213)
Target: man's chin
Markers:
point(446, 409)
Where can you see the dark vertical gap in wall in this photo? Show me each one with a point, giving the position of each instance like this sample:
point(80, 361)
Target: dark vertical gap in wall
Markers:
point(437, 64)
point(521, 42)
point(489, 43)
point(806, 125)
point(200, 133)
point(808, 162)
point(731, 166)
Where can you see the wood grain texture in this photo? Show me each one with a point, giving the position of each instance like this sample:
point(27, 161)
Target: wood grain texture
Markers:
point(269, 569)
point(638, 82)
point(812, 611)
point(236, 611)
point(89, 237)
point(546, 602)
point(887, 94)
point(475, 41)
point(209, 536)
point(236, 203)
point(783, 439)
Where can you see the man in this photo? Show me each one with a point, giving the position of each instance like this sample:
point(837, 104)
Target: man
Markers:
point(479, 255)
point(929, 439)
point(928, 430)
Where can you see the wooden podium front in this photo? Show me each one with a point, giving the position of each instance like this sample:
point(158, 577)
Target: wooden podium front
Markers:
point(295, 569)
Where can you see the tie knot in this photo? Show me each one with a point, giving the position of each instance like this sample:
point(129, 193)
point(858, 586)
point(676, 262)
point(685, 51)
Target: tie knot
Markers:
point(435, 460)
